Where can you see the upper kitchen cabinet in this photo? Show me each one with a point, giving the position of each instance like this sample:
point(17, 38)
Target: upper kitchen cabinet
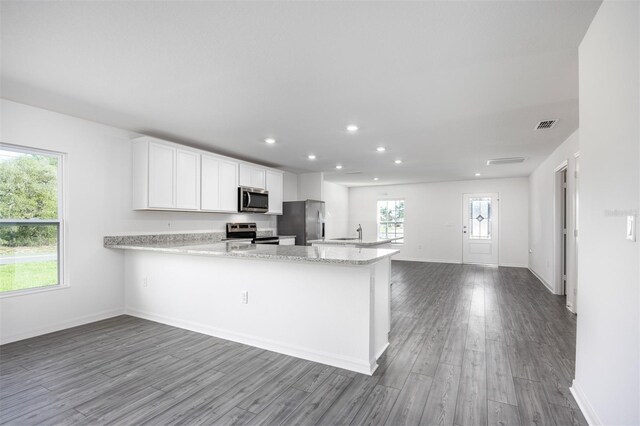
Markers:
point(161, 162)
point(187, 180)
point(219, 184)
point(165, 177)
point(169, 176)
point(275, 187)
point(252, 176)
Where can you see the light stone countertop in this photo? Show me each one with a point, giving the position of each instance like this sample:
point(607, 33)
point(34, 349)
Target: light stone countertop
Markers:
point(354, 241)
point(329, 255)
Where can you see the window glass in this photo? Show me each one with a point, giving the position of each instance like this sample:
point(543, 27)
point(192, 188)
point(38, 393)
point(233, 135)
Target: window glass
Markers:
point(391, 220)
point(480, 218)
point(30, 219)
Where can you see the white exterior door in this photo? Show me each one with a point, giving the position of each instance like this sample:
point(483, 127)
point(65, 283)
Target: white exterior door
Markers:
point(480, 228)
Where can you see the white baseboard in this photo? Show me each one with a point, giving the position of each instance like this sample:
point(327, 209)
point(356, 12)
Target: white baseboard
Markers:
point(455, 262)
point(60, 326)
point(587, 409)
point(546, 284)
point(347, 363)
point(413, 259)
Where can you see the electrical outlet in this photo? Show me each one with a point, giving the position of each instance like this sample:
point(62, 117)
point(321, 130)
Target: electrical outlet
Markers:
point(245, 298)
point(145, 282)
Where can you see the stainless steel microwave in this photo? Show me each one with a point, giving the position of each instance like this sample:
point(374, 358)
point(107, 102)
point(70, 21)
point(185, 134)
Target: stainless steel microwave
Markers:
point(253, 200)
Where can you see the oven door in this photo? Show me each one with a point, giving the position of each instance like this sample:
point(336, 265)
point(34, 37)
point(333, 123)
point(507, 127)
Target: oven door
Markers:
point(253, 200)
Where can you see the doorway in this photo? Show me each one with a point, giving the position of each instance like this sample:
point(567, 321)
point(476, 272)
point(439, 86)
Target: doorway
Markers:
point(480, 228)
point(561, 230)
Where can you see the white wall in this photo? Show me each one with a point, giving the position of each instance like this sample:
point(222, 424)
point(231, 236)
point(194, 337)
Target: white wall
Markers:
point(433, 222)
point(607, 383)
point(336, 198)
point(311, 186)
point(290, 187)
point(542, 217)
point(98, 198)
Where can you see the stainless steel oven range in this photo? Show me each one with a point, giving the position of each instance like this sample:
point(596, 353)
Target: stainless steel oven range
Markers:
point(248, 232)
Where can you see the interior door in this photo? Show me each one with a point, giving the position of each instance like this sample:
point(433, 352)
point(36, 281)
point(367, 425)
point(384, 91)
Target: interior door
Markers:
point(480, 228)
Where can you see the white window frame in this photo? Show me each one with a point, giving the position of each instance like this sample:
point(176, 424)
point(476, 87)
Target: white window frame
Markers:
point(63, 281)
point(403, 222)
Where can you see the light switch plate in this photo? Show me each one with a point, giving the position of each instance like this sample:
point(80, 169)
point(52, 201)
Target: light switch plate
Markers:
point(631, 228)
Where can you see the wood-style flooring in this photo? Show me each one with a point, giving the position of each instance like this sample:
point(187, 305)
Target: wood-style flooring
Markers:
point(470, 345)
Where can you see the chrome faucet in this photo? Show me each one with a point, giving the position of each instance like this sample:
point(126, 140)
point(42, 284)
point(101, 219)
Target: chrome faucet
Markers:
point(359, 231)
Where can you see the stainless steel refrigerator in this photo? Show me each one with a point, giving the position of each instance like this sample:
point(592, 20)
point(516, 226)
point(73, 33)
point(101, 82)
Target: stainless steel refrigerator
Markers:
point(304, 219)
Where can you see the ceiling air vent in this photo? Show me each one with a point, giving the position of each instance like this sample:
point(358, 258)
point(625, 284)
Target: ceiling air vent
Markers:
point(353, 173)
point(499, 161)
point(546, 124)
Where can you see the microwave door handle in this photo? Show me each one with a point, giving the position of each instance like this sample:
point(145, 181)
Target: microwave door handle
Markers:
point(248, 199)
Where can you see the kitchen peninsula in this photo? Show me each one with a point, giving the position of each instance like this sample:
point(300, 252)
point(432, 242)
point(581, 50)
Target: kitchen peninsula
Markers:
point(324, 304)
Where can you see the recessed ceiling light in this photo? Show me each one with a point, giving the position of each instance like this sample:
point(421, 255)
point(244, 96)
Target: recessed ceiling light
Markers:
point(375, 178)
point(398, 161)
point(381, 149)
point(311, 157)
point(352, 128)
point(270, 141)
point(477, 174)
point(338, 167)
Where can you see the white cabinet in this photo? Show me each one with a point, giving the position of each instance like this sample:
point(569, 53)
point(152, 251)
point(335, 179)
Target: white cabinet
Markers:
point(252, 176)
point(219, 184)
point(169, 176)
point(187, 180)
point(228, 186)
point(165, 177)
point(287, 241)
point(275, 187)
point(161, 162)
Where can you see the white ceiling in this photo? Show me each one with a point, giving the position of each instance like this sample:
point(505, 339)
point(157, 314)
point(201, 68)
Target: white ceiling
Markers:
point(443, 85)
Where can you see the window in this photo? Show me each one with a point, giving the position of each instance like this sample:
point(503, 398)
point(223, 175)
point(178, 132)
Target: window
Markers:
point(31, 220)
point(391, 220)
point(480, 218)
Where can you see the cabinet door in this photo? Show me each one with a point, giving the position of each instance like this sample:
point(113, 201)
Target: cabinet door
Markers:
point(245, 175)
point(210, 183)
point(274, 186)
point(161, 176)
point(287, 241)
point(228, 185)
point(258, 178)
point(188, 180)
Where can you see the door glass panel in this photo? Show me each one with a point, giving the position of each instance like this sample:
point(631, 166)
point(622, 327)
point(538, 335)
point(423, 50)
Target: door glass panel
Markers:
point(480, 218)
